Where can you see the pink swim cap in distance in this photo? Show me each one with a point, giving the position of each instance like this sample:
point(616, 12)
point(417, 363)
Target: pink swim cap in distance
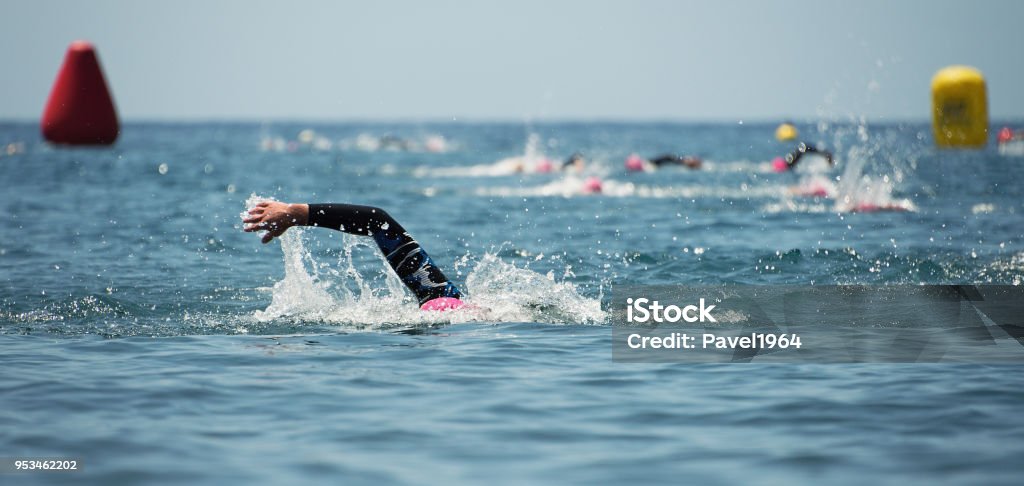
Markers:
point(442, 304)
point(634, 163)
point(1005, 135)
point(779, 164)
point(592, 185)
point(544, 165)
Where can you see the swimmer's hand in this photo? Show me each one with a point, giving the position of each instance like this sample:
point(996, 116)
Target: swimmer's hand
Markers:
point(275, 217)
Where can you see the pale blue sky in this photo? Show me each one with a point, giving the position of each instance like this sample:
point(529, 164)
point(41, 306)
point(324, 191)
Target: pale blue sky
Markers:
point(517, 59)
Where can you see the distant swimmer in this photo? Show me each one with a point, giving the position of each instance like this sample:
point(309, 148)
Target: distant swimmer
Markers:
point(687, 161)
point(1007, 134)
point(432, 288)
point(1010, 142)
point(544, 165)
point(780, 164)
point(393, 142)
point(575, 162)
point(635, 163)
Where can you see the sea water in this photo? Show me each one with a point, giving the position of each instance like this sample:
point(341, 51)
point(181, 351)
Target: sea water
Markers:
point(144, 334)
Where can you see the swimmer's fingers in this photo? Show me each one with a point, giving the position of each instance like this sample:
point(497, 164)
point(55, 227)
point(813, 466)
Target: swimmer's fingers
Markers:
point(272, 227)
point(255, 215)
point(259, 216)
point(258, 223)
point(259, 208)
point(273, 233)
point(270, 216)
point(253, 225)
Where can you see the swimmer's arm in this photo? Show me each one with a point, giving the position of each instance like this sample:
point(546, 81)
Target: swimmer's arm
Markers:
point(793, 157)
point(664, 159)
point(804, 148)
point(275, 217)
point(354, 219)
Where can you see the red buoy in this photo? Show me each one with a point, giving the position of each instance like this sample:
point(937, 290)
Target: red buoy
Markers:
point(80, 110)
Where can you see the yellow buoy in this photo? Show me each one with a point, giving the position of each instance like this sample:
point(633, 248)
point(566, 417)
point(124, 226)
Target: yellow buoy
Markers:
point(959, 107)
point(786, 132)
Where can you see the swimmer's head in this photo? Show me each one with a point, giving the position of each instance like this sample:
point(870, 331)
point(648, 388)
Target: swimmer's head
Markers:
point(576, 161)
point(545, 165)
point(592, 185)
point(436, 143)
point(634, 163)
point(779, 164)
point(442, 304)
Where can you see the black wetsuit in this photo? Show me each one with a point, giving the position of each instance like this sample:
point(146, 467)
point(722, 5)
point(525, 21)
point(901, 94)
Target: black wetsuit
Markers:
point(413, 266)
point(805, 148)
point(666, 159)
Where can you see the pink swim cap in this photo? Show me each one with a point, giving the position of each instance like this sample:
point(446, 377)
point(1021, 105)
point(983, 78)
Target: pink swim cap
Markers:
point(779, 164)
point(634, 163)
point(1005, 135)
point(544, 165)
point(592, 185)
point(442, 304)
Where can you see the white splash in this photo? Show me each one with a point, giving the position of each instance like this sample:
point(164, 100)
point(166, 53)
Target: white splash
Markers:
point(532, 161)
point(571, 185)
point(860, 192)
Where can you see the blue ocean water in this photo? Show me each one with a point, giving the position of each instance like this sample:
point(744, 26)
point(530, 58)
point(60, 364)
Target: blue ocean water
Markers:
point(145, 334)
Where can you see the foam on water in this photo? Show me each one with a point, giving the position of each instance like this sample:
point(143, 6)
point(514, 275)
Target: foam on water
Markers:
point(572, 185)
point(858, 191)
point(527, 163)
point(309, 140)
point(504, 167)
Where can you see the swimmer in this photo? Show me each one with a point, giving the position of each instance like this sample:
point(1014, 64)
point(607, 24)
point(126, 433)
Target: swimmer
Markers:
point(1007, 134)
point(780, 164)
point(688, 161)
point(635, 163)
point(395, 143)
point(1010, 142)
point(575, 161)
point(414, 267)
point(544, 166)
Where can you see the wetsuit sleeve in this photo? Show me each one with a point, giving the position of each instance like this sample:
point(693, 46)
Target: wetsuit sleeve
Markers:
point(793, 157)
point(804, 148)
point(405, 256)
point(665, 159)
